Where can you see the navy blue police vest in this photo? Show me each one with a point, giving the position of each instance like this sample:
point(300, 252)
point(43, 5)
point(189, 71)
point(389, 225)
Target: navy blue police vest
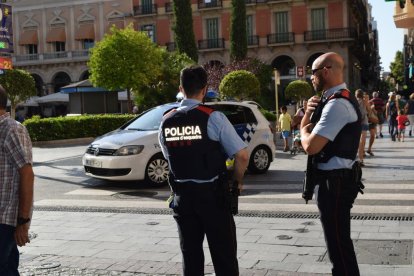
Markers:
point(346, 143)
point(192, 154)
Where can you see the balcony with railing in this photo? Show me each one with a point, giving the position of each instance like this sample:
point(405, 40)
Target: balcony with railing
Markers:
point(168, 7)
point(253, 40)
point(202, 4)
point(281, 38)
point(215, 43)
point(145, 10)
point(340, 34)
point(55, 57)
point(171, 47)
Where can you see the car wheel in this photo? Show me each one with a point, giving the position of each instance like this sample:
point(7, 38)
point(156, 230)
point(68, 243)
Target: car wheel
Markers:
point(260, 160)
point(157, 170)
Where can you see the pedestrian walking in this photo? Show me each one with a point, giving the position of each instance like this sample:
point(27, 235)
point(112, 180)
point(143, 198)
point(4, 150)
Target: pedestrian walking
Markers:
point(380, 109)
point(391, 113)
point(330, 131)
point(285, 123)
point(200, 201)
point(409, 108)
point(402, 120)
point(16, 189)
point(372, 129)
point(363, 109)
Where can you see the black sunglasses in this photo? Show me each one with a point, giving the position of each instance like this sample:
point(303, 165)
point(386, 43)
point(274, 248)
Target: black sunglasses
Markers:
point(317, 69)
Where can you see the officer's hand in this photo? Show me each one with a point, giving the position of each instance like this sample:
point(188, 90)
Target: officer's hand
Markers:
point(21, 235)
point(308, 128)
point(240, 186)
point(312, 104)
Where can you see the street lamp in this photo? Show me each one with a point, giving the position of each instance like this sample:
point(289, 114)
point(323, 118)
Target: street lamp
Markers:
point(277, 82)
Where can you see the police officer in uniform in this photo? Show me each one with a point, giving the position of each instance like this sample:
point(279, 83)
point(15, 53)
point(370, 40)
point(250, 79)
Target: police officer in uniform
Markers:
point(196, 140)
point(333, 141)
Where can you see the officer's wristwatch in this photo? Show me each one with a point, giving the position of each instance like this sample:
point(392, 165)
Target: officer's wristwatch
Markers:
point(21, 221)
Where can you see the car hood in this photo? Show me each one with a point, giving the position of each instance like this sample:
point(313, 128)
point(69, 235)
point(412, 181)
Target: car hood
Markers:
point(119, 138)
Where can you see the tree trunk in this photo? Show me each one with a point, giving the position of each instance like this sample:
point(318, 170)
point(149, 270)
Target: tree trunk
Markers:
point(12, 111)
point(129, 102)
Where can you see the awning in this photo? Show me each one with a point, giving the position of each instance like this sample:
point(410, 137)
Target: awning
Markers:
point(85, 31)
point(118, 25)
point(56, 35)
point(81, 86)
point(29, 37)
point(54, 98)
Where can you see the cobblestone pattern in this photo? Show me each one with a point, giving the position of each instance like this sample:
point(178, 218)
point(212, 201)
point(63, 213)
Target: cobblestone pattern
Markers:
point(48, 265)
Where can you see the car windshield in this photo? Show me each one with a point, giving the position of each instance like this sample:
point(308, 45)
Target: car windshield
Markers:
point(149, 120)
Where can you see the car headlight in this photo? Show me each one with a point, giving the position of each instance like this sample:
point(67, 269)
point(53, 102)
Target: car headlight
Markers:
point(129, 150)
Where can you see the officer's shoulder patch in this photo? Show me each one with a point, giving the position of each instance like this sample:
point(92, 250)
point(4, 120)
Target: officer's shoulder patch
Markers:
point(343, 93)
point(169, 112)
point(206, 109)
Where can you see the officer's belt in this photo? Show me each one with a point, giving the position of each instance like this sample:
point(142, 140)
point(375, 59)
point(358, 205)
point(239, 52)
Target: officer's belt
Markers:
point(334, 173)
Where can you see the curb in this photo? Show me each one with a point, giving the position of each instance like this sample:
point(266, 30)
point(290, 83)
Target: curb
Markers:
point(64, 142)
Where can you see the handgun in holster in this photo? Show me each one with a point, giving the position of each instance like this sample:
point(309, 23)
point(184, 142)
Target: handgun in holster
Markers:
point(357, 175)
point(234, 197)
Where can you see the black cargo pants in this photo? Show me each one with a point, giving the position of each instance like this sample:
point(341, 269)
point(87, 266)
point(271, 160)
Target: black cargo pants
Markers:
point(202, 209)
point(337, 192)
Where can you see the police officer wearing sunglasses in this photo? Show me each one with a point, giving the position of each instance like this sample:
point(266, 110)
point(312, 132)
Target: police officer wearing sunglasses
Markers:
point(196, 140)
point(330, 132)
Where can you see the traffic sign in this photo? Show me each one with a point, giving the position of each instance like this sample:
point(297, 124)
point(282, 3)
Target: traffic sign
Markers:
point(6, 30)
point(300, 71)
point(5, 63)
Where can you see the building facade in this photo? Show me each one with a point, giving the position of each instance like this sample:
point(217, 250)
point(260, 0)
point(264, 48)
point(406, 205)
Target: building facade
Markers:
point(52, 37)
point(404, 18)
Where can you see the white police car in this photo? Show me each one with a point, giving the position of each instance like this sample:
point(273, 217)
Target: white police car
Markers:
point(132, 152)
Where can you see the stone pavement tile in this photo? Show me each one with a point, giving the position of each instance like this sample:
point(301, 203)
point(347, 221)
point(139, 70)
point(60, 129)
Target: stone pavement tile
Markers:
point(373, 270)
point(152, 256)
point(114, 254)
point(247, 263)
point(320, 267)
point(278, 266)
point(254, 225)
point(319, 242)
point(109, 237)
point(280, 239)
point(263, 256)
point(47, 243)
point(404, 271)
point(255, 272)
point(301, 258)
point(407, 236)
point(397, 228)
point(169, 268)
point(80, 252)
point(125, 245)
point(169, 241)
point(381, 222)
point(379, 236)
point(121, 265)
point(248, 239)
point(365, 228)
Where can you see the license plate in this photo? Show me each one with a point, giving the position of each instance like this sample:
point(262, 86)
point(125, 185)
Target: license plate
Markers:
point(93, 163)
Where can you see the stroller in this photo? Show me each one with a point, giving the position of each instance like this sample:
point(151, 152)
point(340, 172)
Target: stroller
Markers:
point(297, 146)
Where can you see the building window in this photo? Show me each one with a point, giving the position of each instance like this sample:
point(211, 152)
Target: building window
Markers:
point(147, 7)
point(150, 30)
point(318, 23)
point(31, 49)
point(249, 25)
point(59, 46)
point(282, 27)
point(87, 43)
point(212, 32)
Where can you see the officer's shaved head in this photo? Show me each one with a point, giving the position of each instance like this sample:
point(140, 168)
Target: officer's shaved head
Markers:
point(193, 79)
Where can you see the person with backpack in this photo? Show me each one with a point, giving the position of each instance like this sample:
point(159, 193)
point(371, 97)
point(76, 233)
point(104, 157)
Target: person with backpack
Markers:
point(409, 109)
point(391, 113)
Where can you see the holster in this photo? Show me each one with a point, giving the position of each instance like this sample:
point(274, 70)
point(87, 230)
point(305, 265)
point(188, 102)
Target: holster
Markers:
point(310, 181)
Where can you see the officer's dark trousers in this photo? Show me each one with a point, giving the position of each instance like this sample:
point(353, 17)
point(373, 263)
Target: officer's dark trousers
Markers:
point(200, 210)
point(336, 194)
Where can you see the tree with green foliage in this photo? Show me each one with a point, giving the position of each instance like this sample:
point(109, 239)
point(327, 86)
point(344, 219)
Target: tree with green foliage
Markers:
point(298, 90)
point(19, 85)
point(125, 60)
point(183, 29)
point(240, 85)
point(238, 32)
point(397, 68)
point(165, 88)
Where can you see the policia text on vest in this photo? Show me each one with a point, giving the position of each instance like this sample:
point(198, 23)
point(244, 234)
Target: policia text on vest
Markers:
point(182, 133)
